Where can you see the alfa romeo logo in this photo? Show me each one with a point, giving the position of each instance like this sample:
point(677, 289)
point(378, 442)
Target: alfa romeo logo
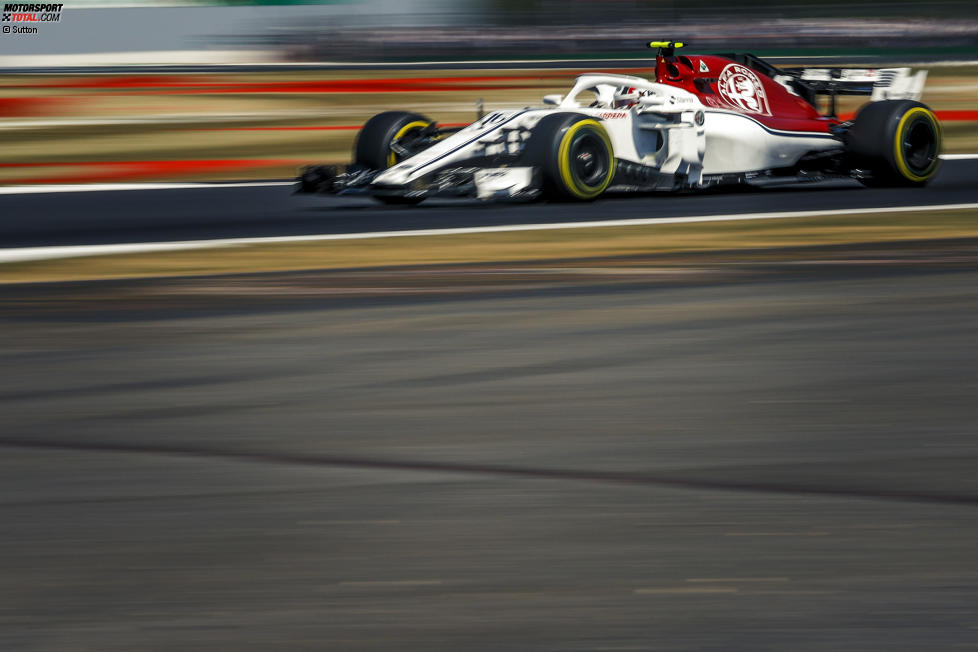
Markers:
point(743, 90)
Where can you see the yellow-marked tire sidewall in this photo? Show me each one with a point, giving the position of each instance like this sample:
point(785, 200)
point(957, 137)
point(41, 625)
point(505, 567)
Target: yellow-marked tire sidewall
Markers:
point(568, 179)
point(401, 133)
point(905, 123)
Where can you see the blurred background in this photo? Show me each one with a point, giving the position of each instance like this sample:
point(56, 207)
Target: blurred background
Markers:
point(382, 30)
point(234, 90)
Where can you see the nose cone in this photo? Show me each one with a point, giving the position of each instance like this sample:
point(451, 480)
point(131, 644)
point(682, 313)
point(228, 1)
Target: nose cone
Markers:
point(398, 175)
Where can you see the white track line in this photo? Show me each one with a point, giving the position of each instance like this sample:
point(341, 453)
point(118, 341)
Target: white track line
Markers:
point(106, 187)
point(24, 254)
point(958, 157)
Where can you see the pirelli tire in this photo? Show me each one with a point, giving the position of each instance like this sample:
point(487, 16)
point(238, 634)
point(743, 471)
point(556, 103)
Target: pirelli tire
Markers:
point(574, 154)
point(373, 146)
point(897, 141)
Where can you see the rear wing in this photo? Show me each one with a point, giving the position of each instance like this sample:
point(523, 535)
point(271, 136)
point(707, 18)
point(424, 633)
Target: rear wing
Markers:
point(880, 84)
point(809, 83)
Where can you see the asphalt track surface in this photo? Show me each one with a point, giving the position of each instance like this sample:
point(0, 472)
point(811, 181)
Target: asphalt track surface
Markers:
point(688, 452)
point(222, 212)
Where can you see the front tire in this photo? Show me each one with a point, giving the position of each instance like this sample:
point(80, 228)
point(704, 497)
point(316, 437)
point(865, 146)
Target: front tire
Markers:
point(898, 142)
point(574, 154)
point(374, 150)
point(373, 147)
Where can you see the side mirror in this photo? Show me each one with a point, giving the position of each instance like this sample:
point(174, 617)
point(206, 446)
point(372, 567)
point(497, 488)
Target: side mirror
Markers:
point(553, 100)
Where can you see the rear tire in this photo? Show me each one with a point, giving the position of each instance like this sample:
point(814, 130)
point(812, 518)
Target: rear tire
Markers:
point(574, 154)
point(897, 141)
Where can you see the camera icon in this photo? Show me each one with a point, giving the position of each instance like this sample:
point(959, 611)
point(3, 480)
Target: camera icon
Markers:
point(6, 29)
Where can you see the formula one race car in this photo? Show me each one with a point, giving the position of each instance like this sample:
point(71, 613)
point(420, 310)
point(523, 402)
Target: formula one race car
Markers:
point(704, 121)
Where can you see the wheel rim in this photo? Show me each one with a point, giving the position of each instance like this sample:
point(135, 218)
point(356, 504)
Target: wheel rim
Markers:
point(917, 145)
point(588, 158)
point(920, 146)
point(409, 135)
